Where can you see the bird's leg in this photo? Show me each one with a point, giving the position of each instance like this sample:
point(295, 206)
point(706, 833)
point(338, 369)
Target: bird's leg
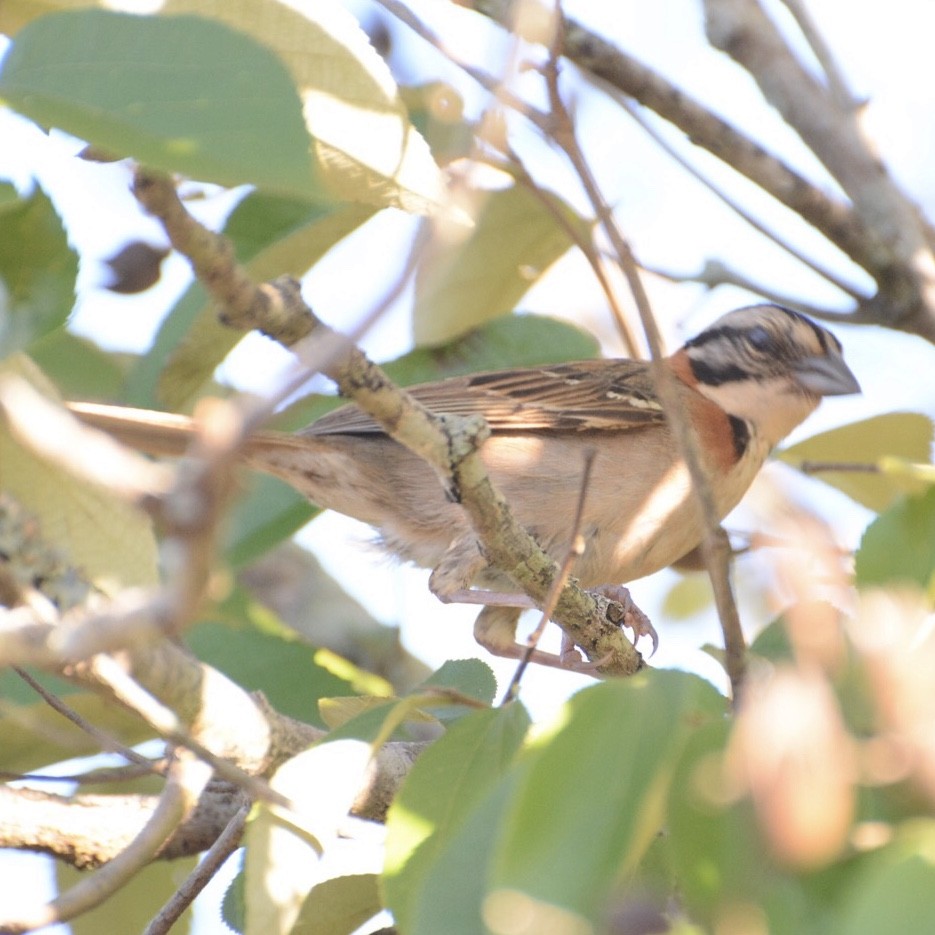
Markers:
point(495, 630)
point(495, 627)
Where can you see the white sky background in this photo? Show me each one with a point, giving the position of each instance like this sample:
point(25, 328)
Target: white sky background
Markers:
point(885, 52)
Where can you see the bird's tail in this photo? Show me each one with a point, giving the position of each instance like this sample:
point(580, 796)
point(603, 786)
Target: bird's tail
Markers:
point(156, 433)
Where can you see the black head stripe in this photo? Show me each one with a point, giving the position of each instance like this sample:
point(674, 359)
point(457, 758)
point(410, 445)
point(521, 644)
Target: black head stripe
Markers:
point(716, 374)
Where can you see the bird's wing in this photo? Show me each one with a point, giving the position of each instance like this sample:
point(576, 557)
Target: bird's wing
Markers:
point(586, 395)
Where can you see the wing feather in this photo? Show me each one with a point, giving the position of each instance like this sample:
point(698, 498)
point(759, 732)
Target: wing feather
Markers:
point(576, 397)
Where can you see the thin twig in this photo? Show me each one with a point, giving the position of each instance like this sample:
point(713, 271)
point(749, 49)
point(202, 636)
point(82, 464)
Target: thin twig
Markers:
point(575, 551)
point(715, 545)
point(837, 83)
point(201, 876)
point(844, 467)
point(129, 692)
point(107, 742)
point(587, 248)
point(735, 206)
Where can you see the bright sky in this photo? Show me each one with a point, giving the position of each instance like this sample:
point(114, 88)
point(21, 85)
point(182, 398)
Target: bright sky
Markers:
point(885, 51)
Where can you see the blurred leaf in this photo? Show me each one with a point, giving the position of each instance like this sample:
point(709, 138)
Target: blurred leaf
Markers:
point(717, 854)
point(33, 735)
point(271, 512)
point(899, 546)
point(336, 712)
point(78, 367)
point(906, 435)
point(445, 784)
point(178, 93)
point(772, 643)
point(339, 906)
point(689, 595)
point(271, 236)
point(366, 148)
point(37, 271)
point(465, 283)
point(282, 861)
point(506, 341)
point(437, 112)
point(112, 543)
point(897, 883)
point(260, 654)
point(615, 750)
point(134, 904)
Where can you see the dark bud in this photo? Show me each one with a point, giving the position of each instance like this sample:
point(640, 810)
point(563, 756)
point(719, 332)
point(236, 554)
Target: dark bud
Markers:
point(135, 267)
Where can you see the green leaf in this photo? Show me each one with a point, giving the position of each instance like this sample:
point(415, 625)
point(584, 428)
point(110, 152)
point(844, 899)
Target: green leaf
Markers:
point(465, 283)
point(366, 148)
point(179, 93)
point(260, 654)
point(716, 851)
point(134, 904)
point(904, 435)
point(437, 112)
point(339, 906)
point(899, 546)
point(898, 883)
point(364, 144)
point(506, 341)
point(451, 896)
point(79, 368)
point(468, 676)
point(688, 596)
point(271, 512)
point(233, 906)
point(602, 782)
point(37, 271)
point(440, 792)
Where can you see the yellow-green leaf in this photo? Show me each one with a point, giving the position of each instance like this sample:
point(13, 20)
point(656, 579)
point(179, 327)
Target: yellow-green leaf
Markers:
point(901, 435)
point(465, 283)
point(110, 541)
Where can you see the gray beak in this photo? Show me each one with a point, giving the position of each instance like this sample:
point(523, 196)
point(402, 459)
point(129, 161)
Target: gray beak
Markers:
point(826, 376)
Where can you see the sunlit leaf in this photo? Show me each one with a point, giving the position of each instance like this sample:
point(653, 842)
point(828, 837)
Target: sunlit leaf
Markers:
point(615, 750)
point(111, 542)
point(260, 654)
point(283, 860)
point(449, 779)
point(339, 906)
point(905, 435)
point(469, 281)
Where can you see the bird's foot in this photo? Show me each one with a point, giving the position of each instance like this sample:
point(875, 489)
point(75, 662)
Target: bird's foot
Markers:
point(633, 618)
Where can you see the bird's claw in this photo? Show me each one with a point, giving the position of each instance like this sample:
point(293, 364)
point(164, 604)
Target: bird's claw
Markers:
point(633, 618)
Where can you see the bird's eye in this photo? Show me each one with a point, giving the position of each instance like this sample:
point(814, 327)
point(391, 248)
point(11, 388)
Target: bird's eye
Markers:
point(760, 338)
